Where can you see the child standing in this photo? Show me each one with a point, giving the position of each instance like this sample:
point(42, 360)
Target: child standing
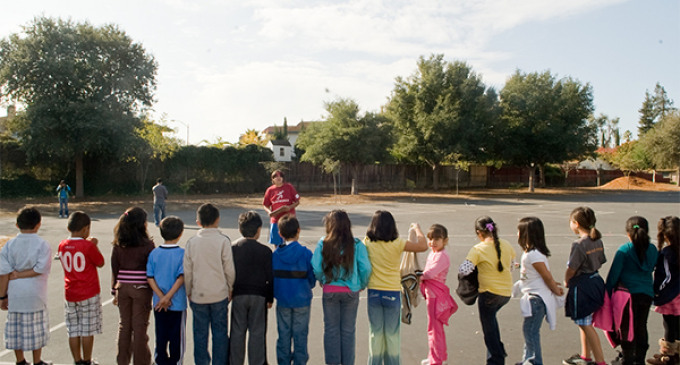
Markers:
point(384, 248)
point(631, 271)
point(585, 259)
point(539, 289)
point(80, 257)
point(131, 249)
point(165, 274)
point(62, 193)
point(253, 293)
point(440, 304)
point(280, 200)
point(667, 289)
point(209, 278)
point(293, 283)
point(25, 262)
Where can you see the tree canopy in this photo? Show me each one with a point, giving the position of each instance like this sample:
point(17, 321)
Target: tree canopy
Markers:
point(83, 88)
point(662, 143)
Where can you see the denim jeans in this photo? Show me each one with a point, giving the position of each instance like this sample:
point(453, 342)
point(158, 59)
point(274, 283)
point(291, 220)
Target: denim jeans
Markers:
point(248, 316)
point(211, 317)
point(489, 304)
point(63, 206)
point(293, 326)
point(384, 317)
point(158, 213)
point(340, 327)
point(532, 332)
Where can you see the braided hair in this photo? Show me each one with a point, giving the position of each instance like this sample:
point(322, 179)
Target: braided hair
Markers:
point(486, 226)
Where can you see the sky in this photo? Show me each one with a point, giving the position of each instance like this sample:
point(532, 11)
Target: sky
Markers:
point(228, 66)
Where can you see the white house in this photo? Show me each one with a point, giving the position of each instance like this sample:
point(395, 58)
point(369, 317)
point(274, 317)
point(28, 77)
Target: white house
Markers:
point(282, 149)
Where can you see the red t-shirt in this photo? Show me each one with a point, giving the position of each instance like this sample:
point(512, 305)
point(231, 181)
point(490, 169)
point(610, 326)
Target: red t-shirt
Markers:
point(80, 259)
point(277, 197)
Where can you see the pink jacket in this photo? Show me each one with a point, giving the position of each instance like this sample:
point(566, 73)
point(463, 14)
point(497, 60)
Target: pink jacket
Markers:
point(610, 315)
point(439, 292)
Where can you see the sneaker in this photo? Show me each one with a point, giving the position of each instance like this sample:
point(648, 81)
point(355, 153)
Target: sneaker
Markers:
point(43, 362)
point(425, 362)
point(56, 256)
point(618, 360)
point(87, 362)
point(575, 359)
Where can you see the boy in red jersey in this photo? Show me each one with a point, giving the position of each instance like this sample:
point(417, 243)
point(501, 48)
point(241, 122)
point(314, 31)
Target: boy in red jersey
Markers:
point(280, 200)
point(80, 257)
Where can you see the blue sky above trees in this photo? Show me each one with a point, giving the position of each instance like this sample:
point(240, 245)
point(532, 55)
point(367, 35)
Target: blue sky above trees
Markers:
point(225, 66)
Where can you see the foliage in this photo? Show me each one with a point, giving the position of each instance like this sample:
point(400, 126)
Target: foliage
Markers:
point(654, 107)
point(346, 136)
point(253, 136)
point(441, 111)
point(607, 130)
point(545, 119)
point(281, 133)
point(154, 142)
point(631, 157)
point(81, 86)
point(662, 143)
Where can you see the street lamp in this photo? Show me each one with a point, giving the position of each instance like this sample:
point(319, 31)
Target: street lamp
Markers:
point(184, 124)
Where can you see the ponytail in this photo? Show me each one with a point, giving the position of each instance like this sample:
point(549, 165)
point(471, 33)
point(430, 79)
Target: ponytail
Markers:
point(487, 226)
point(585, 217)
point(669, 233)
point(637, 228)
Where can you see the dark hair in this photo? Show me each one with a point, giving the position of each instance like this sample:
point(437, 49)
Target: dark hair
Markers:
point(130, 231)
point(28, 218)
point(585, 217)
point(382, 227)
point(437, 231)
point(159, 180)
point(487, 227)
point(77, 221)
point(248, 223)
point(278, 172)
point(637, 228)
point(669, 233)
point(171, 228)
point(338, 245)
point(207, 214)
point(288, 227)
point(532, 235)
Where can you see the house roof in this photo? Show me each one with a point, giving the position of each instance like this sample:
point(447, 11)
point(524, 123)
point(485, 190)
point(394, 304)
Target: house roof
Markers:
point(294, 129)
point(280, 142)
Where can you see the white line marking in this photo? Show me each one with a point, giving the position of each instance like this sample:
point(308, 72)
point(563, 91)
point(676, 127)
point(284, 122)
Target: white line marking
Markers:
point(59, 326)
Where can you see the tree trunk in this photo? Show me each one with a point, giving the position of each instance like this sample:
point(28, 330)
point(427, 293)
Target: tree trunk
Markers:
point(355, 172)
point(541, 170)
point(532, 172)
point(457, 175)
point(435, 177)
point(599, 176)
point(335, 184)
point(80, 188)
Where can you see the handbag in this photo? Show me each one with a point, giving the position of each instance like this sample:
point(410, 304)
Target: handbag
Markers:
point(468, 287)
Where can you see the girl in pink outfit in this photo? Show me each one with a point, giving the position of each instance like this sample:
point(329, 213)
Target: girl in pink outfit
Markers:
point(440, 304)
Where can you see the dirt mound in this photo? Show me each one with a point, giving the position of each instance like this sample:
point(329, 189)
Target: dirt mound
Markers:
point(636, 183)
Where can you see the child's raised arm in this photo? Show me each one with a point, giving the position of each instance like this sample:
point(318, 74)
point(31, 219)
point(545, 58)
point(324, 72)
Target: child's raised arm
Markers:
point(421, 244)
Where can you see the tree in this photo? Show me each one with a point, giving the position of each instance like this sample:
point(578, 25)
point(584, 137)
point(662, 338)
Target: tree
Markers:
point(545, 120)
point(346, 136)
point(662, 143)
point(662, 103)
point(253, 136)
point(654, 107)
point(441, 114)
point(154, 142)
point(631, 157)
point(82, 87)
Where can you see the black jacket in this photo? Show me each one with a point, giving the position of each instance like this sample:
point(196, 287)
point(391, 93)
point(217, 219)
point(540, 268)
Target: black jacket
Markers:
point(253, 264)
point(585, 296)
point(666, 276)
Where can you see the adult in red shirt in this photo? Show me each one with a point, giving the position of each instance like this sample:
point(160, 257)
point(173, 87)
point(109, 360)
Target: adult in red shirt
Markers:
point(80, 257)
point(280, 200)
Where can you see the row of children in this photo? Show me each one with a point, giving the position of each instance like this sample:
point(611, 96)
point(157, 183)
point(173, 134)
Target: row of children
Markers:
point(208, 275)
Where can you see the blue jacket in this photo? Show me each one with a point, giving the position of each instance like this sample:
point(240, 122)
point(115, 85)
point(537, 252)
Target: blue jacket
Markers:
point(667, 276)
point(361, 272)
point(585, 295)
point(293, 275)
point(628, 272)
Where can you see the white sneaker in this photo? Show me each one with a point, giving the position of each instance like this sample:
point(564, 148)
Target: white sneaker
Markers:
point(425, 362)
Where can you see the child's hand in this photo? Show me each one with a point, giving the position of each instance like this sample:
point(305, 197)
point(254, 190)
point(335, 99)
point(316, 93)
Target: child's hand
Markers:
point(269, 305)
point(93, 240)
point(4, 304)
point(163, 304)
point(115, 300)
point(13, 275)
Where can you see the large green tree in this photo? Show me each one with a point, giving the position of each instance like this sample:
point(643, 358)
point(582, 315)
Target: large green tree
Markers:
point(347, 136)
point(662, 143)
point(442, 114)
point(655, 106)
point(82, 86)
point(545, 120)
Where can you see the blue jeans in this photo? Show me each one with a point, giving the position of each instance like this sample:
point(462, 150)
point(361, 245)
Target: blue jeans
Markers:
point(293, 326)
point(274, 236)
point(532, 332)
point(158, 213)
point(340, 327)
point(209, 317)
point(489, 304)
point(384, 316)
point(63, 206)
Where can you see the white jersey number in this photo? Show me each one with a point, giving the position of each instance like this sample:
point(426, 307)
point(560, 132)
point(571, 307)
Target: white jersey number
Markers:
point(75, 262)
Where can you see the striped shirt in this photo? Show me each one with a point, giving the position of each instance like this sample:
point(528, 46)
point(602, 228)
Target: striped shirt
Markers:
point(128, 264)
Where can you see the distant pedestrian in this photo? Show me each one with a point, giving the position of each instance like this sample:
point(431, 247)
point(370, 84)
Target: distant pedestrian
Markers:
point(80, 258)
point(280, 200)
point(63, 191)
point(341, 265)
point(160, 194)
point(131, 249)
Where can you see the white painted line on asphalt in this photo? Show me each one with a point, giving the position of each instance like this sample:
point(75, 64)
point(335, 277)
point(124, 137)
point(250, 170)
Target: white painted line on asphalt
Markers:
point(60, 325)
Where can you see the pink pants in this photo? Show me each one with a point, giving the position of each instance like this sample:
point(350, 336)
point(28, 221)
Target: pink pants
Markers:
point(436, 338)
